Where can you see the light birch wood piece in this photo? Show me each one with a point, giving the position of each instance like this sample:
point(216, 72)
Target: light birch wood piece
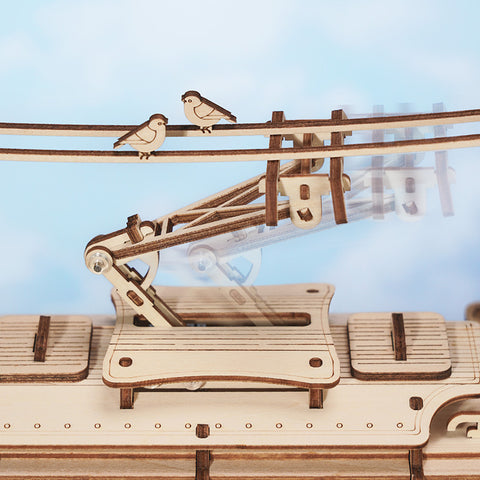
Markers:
point(372, 349)
point(321, 128)
point(465, 417)
point(66, 357)
point(242, 155)
point(303, 356)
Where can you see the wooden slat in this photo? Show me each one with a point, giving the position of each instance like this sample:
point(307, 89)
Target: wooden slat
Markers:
point(41, 339)
point(336, 173)
point(65, 359)
point(241, 155)
point(374, 344)
point(271, 177)
point(399, 343)
point(319, 126)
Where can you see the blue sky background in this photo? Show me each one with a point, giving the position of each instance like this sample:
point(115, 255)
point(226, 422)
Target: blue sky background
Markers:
point(117, 62)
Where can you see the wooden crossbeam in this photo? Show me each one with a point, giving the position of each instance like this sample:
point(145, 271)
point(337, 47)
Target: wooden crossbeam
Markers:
point(290, 127)
point(241, 155)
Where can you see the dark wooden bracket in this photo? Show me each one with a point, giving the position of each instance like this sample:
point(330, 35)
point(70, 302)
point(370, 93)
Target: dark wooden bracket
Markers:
point(415, 460)
point(203, 459)
point(133, 229)
point(316, 398)
point(41, 339)
point(398, 334)
point(126, 398)
point(271, 178)
point(336, 172)
point(306, 163)
point(202, 430)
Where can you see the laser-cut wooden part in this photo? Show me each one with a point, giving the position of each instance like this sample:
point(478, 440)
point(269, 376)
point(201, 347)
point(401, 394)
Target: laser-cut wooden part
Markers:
point(316, 398)
point(147, 137)
point(273, 354)
point(305, 212)
point(271, 176)
point(202, 464)
point(133, 229)
point(415, 458)
point(203, 112)
point(399, 342)
point(226, 211)
point(338, 185)
point(373, 354)
point(41, 339)
point(66, 358)
point(126, 398)
point(459, 418)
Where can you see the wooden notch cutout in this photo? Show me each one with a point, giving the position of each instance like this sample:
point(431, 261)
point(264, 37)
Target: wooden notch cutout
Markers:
point(202, 430)
point(304, 192)
point(271, 178)
point(133, 229)
point(336, 172)
point(135, 298)
point(399, 341)
point(126, 398)
point(202, 464)
point(415, 460)
point(305, 214)
point(41, 339)
point(316, 398)
point(416, 403)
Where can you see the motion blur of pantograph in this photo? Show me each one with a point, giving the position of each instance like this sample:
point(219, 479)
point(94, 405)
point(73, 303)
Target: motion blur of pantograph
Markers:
point(383, 186)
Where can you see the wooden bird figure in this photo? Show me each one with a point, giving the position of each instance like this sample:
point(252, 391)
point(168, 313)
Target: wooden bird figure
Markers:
point(204, 113)
point(147, 137)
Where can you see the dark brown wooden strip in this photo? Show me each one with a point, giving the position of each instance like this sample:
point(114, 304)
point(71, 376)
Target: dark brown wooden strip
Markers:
point(271, 178)
point(336, 173)
point(41, 339)
point(306, 163)
point(126, 398)
point(202, 464)
point(399, 342)
point(415, 460)
point(316, 398)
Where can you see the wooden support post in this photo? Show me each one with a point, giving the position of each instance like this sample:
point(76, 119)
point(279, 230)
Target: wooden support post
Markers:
point(306, 163)
point(126, 398)
point(202, 464)
point(316, 398)
point(336, 173)
point(41, 339)
point(415, 459)
point(398, 332)
point(271, 179)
